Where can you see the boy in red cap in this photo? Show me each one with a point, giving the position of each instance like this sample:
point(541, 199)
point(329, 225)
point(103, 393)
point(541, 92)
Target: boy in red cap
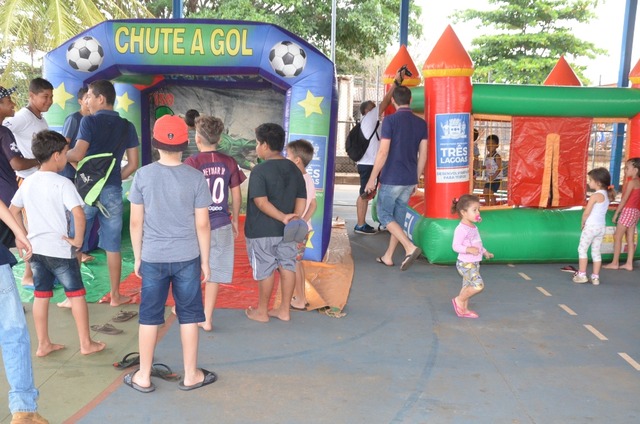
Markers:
point(170, 235)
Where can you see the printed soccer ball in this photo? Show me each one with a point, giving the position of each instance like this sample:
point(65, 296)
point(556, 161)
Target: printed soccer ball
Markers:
point(85, 54)
point(287, 59)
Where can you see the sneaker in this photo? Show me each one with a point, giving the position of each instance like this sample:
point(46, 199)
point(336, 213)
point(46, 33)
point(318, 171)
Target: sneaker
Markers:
point(580, 278)
point(364, 229)
point(595, 280)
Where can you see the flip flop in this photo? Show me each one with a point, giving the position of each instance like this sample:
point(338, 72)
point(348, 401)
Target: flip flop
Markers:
point(106, 329)
point(164, 372)
point(568, 268)
point(298, 309)
point(129, 360)
point(408, 260)
point(470, 314)
point(123, 316)
point(455, 307)
point(380, 261)
point(128, 380)
point(210, 377)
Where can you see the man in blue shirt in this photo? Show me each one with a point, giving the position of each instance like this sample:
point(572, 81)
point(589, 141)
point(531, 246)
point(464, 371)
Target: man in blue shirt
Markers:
point(401, 157)
point(104, 131)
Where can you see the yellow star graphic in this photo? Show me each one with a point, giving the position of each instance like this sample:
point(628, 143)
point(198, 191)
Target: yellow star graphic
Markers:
point(311, 104)
point(309, 239)
point(123, 102)
point(60, 95)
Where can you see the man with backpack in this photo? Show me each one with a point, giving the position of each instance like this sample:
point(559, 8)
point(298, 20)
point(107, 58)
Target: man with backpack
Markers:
point(369, 126)
point(104, 131)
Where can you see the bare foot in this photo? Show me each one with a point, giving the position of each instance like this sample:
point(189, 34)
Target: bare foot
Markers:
point(611, 266)
point(47, 349)
point(206, 326)
point(120, 300)
point(299, 304)
point(95, 346)
point(27, 281)
point(627, 267)
point(64, 304)
point(86, 258)
point(282, 316)
point(253, 314)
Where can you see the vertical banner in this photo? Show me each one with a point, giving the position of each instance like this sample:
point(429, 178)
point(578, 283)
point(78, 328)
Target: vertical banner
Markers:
point(452, 147)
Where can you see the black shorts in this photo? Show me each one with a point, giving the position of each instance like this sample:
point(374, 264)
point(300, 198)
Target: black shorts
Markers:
point(493, 186)
point(365, 174)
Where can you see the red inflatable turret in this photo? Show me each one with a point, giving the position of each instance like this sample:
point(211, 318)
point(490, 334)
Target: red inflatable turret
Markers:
point(634, 123)
point(399, 60)
point(562, 74)
point(447, 92)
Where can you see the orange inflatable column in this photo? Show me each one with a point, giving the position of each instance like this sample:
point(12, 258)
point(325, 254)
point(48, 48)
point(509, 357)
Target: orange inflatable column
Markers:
point(634, 123)
point(447, 91)
point(399, 60)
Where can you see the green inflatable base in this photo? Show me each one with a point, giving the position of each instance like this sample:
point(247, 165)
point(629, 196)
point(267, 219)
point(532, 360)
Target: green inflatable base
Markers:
point(518, 235)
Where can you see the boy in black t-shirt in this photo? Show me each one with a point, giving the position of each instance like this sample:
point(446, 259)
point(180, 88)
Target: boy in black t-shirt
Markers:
point(277, 194)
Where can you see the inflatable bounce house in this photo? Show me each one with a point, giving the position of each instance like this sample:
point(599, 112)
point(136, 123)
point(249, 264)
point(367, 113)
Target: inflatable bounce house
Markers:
point(549, 140)
point(242, 72)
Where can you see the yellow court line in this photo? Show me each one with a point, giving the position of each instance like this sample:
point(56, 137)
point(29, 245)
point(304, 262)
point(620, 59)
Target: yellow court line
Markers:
point(543, 291)
point(630, 360)
point(567, 309)
point(511, 265)
point(595, 332)
point(525, 276)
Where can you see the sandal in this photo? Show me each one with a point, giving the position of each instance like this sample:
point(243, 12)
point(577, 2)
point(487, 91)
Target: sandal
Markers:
point(106, 329)
point(164, 372)
point(123, 316)
point(129, 360)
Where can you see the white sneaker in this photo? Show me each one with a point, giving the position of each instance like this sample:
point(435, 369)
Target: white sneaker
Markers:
point(595, 280)
point(580, 278)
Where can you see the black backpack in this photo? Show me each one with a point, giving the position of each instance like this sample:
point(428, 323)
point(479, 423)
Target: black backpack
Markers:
point(357, 143)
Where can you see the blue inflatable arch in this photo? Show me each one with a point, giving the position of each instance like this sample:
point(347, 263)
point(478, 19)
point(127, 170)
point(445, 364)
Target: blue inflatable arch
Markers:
point(263, 69)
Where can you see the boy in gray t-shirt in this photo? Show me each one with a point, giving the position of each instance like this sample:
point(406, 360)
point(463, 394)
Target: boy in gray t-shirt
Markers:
point(170, 238)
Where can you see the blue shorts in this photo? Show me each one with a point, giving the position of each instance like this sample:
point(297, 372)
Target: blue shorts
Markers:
point(46, 269)
point(110, 233)
point(494, 186)
point(184, 279)
point(392, 203)
point(267, 254)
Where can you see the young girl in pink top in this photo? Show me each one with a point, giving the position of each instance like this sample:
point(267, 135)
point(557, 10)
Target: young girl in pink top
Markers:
point(468, 244)
point(629, 211)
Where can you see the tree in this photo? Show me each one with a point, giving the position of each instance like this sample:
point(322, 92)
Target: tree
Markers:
point(529, 38)
point(365, 28)
point(34, 27)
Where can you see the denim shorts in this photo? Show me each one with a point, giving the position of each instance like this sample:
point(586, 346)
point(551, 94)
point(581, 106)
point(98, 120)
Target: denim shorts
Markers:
point(392, 203)
point(46, 269)
point(110, 233)
point(267, 254)
point(184, 279)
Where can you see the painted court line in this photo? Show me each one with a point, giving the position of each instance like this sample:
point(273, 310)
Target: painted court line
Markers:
point(543, 291)
point(595, 332)
point(511, 265)
point(525, 276)
point(567, 309)
point(630, 360)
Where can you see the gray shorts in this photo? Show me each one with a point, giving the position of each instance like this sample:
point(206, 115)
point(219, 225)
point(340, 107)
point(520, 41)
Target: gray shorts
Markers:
point(221, 255)
point(267, 254)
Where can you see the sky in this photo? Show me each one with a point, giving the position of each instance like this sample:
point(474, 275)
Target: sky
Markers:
point(605, 31)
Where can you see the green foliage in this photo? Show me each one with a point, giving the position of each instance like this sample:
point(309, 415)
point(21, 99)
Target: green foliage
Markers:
point(34, 27)
point(364, 28)
point(528, 39)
